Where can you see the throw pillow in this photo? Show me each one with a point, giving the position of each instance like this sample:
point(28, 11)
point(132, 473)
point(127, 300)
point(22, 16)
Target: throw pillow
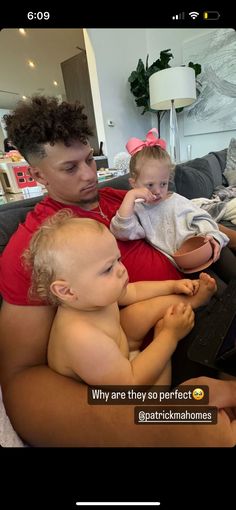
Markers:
point(230, 169)
point(194, 179)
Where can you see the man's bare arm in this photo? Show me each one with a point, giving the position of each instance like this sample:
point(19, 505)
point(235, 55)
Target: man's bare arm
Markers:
point(48, 409)
point(24, 334)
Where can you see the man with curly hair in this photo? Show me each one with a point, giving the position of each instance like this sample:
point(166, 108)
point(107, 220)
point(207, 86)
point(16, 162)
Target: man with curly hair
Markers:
point(45, 408)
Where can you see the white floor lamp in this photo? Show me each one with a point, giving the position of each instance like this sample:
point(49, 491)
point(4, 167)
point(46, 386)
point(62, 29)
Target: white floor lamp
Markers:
point(169, 89)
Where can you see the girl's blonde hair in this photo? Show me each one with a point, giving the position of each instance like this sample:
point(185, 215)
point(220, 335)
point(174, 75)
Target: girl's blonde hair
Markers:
point(42, 255)
point(151, 152)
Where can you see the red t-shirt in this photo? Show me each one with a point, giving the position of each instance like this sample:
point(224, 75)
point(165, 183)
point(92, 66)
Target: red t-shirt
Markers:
point(142, 261)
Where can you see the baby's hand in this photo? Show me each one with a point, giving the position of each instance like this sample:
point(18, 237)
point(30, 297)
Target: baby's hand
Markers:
point(215, 247)
point(179, 320)
point(186, 286)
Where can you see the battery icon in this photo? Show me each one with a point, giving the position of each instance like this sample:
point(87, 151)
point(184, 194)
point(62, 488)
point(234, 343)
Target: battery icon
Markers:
point(211, 15)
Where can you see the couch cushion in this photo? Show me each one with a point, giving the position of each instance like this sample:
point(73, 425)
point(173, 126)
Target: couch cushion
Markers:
point(11, 214)
point(214, 169)
point(194, 179)
point(221, 156)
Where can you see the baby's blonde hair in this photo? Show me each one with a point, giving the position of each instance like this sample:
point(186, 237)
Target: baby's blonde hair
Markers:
point(153, 152)
point(42, 255)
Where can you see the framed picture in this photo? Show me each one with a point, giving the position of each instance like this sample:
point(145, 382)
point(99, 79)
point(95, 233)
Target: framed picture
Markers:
point(215, 107)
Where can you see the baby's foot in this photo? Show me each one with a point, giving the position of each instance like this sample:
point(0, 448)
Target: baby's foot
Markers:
point(207, 287)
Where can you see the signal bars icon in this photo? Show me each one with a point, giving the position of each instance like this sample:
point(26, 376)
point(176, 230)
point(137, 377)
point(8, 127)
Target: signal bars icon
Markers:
point(179, 16)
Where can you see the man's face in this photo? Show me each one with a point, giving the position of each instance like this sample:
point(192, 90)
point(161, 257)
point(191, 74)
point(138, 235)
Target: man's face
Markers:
point(69, 173)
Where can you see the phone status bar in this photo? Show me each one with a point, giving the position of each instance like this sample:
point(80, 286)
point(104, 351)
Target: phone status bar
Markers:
point(93, 18)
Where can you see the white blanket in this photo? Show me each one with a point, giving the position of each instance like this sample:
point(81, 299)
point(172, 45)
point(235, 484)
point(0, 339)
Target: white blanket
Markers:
point(225, 210)
point(8, 436)
point(230, 213)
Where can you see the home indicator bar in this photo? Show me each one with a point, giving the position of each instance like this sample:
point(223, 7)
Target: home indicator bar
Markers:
point(115, 503)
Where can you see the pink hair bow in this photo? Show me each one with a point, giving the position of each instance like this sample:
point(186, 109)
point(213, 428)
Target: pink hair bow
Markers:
point(135, 144)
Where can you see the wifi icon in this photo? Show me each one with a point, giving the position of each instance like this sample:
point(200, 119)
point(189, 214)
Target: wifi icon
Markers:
point(193, 14)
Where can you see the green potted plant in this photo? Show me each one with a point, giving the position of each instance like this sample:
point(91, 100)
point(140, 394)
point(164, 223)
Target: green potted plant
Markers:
point(139, 81)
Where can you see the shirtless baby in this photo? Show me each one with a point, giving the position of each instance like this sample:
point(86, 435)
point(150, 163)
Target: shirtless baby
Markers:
point(76, 266)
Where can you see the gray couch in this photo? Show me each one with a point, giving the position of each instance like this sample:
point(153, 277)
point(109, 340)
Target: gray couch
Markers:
point(193, 179)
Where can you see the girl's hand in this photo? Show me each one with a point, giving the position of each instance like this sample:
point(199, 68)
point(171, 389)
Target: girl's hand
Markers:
point(186, 286)
point(216, 249)
point(141, 195)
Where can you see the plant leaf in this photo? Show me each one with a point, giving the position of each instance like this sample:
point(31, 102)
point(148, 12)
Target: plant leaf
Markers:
point(140, 67)
point(133, 76)
point(196, 67)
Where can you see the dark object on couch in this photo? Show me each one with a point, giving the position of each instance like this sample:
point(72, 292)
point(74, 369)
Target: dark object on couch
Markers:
point(193, 179)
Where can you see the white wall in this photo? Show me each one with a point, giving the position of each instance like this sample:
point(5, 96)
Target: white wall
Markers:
point(117, 52)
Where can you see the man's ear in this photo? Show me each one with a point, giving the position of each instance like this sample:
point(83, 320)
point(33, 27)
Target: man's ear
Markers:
point(37, 175)
point(132, 182)
point(63, 291)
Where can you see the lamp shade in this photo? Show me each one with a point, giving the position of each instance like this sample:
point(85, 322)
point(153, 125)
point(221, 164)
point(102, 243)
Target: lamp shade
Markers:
point(174, 83)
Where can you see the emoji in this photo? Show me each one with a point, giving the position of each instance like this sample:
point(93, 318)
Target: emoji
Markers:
point(198, 393)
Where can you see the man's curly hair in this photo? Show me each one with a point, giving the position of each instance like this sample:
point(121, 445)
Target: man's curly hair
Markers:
point(44, 120)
